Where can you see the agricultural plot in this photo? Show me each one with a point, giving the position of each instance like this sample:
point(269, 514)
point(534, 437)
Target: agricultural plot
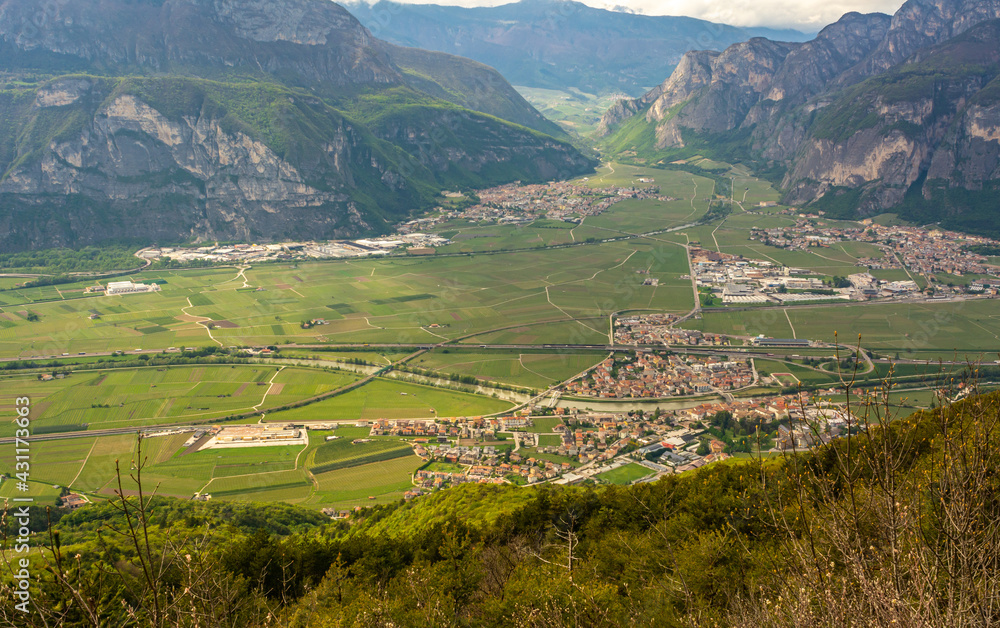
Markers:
point(581, 331)
point(364, 485)
point(154, 396)
point(645, 215)
point(86, 464)
point(967, 329)
point(227, 470)
point(521, 368)
point(408, 300)
point(151, 321)
point(343, 453)
point(751, 192)
point(470, 237)
point(105, 456)
point(53, 462)
point(625, 175)
point(572, 109)
point(43, 494)
point(390, 399)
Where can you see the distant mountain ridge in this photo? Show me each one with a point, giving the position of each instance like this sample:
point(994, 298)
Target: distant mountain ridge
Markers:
point(876, 113)
point(217, 119)
point(557, 44)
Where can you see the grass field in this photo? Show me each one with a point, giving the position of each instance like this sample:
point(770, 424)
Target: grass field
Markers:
point(625, 474)
point(388, 300)
point(385, 481)
point(520, 368)
point(531, 452)
point(162, 395)
point(390, 399)
point(970, 328)
point(574, 110)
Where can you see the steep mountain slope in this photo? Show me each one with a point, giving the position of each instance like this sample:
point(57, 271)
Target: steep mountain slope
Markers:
point(839, 121)
point(930, 125)
point(557, 43)
point(196, 119)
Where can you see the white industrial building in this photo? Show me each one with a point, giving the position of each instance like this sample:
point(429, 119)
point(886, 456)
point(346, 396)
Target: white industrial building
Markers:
point(127, 287)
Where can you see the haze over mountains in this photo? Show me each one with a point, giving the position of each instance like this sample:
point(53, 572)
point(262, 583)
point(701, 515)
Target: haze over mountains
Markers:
point(557, 44)
point(876, 113)
point(193, 119)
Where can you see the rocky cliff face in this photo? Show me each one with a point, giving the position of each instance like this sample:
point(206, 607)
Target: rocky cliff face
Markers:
point(919, 24)
point(213, 119)
point(131, 172)
point(723, 88)
point(901, 110)
point(328, 43)
point(906, 127)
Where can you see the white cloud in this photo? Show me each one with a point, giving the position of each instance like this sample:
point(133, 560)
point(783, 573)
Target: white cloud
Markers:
point(801, 14)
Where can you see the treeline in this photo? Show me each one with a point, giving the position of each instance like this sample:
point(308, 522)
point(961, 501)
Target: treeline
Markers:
point(743, 435)
point(717, 210)
point(62, 261)
point(897, 525)
point(990, 250)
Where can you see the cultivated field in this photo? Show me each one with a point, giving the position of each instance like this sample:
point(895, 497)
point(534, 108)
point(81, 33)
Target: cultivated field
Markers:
point(521, 368)
point(388, 399)
point(395, 300)
point(162, 395)
point(966, 329)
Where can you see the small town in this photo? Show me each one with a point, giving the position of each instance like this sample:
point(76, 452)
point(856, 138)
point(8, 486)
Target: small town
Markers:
point(927, 252)
point(663, 374)
point(735, 280)
point(653, 329)
point(589, 444)
point(558, 200)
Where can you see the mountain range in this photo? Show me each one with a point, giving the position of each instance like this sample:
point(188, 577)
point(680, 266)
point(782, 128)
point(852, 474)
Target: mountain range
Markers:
point(557, 44)
point(876, 113)
point(181, 120)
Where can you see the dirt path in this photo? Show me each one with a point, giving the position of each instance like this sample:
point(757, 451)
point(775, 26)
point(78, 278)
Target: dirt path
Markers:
point(270, 385)
point(203, 322)
point(548, 297)
point(85, 460)
point(789, 319)
point(520, 360)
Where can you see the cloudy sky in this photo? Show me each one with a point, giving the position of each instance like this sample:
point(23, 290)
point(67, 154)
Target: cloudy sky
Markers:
point(801, 14)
